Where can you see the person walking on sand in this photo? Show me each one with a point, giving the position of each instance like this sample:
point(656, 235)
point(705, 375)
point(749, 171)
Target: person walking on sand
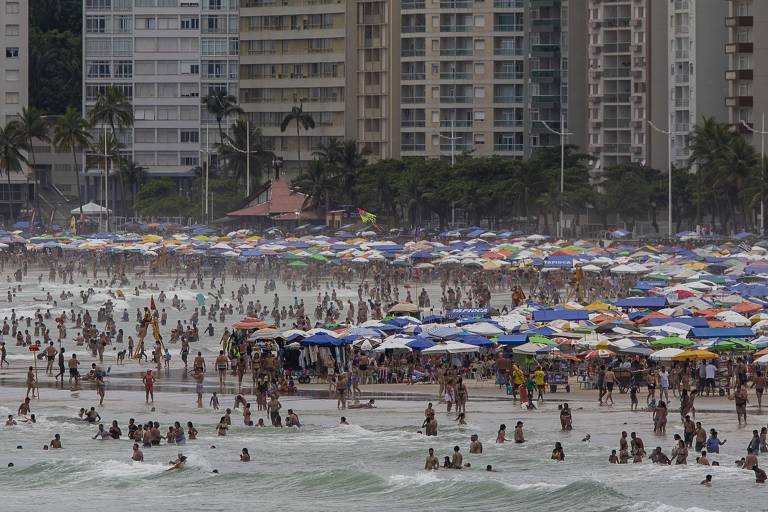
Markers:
point(149, 383)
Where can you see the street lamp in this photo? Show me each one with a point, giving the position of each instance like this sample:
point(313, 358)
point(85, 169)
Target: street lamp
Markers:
point(563, 135)
point(277, 164)
point(106, 178)
point(453, 138)
point(762, 134)
point(668, 133)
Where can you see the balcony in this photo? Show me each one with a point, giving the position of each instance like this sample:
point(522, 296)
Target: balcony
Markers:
point(456, 75)
point(545, 24)
point(682, 127)
point(637, 150)
point(508, 99)
point(616, 73)
point(616, 23)
point(596, 124)
point(637, 98)
point(412, 29)
point(456, 4)
point(412, 4)
point(545, 50)
point(456, 147)
point(739, 74)
point(595, 99)
point(637, 48)
point(595, 49)
point(739, 48)
point(412, 99)
point(508, 123)
point(511, 52)
point(681, 29)
point(637, 22)
point(544, 73)
point(739, 101)
point(545, 101)
point(508, 75)
point(412, 52)
point(508, 28)
point(455, 28)
point(456, 123)
point(412, 123)
point(683, 78)
point(682, 102)
point(449, 98)
point(412, 147)
point(617, 148)
point(616, 97)
point(414, 76)
point(682, 54)
point(616, 47)
point(739, 21)
point(503, 147)
point(508, 4)
point(455, 52)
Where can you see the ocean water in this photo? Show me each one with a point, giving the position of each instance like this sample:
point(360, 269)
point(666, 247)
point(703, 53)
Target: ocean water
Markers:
point(375, 462)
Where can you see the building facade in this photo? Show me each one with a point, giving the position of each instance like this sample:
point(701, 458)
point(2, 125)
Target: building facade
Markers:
point(746, 98)
point(14, 62)
point(164, 56)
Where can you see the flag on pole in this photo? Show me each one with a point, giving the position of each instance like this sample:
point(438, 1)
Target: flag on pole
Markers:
point(366, 217)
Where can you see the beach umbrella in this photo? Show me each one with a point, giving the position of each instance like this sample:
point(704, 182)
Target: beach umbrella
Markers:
point(695, 355)
point(420, 344)
point(473, 339)
point(731, 345)
point(527, 348)
point(450, 347)
point(762, 360)
point(671, 341)
point(665, 354)
point(541, 340)
point(599, 354)
point(484, 329)
point(404, 307)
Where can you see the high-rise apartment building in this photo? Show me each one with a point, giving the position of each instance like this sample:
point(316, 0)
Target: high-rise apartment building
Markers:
point(164, 56)
point(14, 61)
point(334, 58)
point(747, 97)
point(687, 74)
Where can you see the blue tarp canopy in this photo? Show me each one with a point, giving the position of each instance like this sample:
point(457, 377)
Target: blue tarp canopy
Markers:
point(548, 315)
point(693, 322)
point(642, 302)
point(722, 332)
point(469, 313)
point(513, 340)
point(420, 344)
point(559, 262)
point(476, 340)
point(647, 285)
point(433, 319)
point(320, 339)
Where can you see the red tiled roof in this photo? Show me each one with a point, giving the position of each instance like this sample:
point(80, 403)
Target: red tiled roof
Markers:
point(282, 200)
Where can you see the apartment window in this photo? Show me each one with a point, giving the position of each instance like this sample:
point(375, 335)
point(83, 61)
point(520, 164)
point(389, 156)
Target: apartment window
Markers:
point(11, 30)
point(168, 44)
point(479, 92)
point(479, 138)
point(479, 115)
point(11, 98)
point(435, 45)
point(123, 24)
point(12, 75)
point(99, 69)
point(639, 37)
point(167, 158)
point(594, 89)
point(167, 136)
point(744, 61)
point(233, 24)
point(741, 7)
point(145, 67)
point(190, 90)
point(144, 113)
point(96, 24)
point(743, 35)
point(215, 69)
point(745, 114)
point(190, 68)
point(189, 44)
point(214, 5)
point(479, 68)
point(167, 90)
point(319, 45)
point(594, 139)
point(125, 89)
point(639, 12)
point(12, 52)
point(98, 4)
point(744, 88)
point(479, 44)
point(93, 91)
point(144, 158)
point(479, 21)
point(167, 23)
point(234, 46)
point(214, 47)
point(190, 22)
point(189, 160)
point(123, 69)
point(190, 136)
point(167, 113)
point(122, 46)
point(190, 113)
point(146, 23)
point(12, 8)
point(145, 90)
point(144, 135)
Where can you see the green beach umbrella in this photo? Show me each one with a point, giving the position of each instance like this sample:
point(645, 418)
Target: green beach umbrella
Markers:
point(672, 342)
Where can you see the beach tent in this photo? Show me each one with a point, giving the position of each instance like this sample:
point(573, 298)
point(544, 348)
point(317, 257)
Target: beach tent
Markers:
point(665, 354)
point(722, 332)
point(642, 303)
point(513, 340)
point(450, 347)
point(91, 209)
point(548, 315)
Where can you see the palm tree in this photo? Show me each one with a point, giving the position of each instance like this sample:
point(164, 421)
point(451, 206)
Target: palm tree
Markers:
point(133, 175)
point(233, 151)
point(34, 126)
point(70, 134)
point(317, 184)
point(303, 120)
point(12, 146)
point(221, 104)
point(350, 161)
point(112, 108)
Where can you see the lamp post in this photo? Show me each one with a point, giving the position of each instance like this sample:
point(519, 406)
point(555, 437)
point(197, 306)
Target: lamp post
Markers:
point(247, 152)
point(762, 134)
point(668, 133)
point(453, 138)
point(563, 135)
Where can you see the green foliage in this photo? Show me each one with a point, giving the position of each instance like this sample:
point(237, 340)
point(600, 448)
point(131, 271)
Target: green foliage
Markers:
point(55, 69)
point(160, 198)
point(63, 15)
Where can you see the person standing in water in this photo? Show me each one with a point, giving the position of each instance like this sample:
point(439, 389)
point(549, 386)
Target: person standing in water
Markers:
point(149, 383)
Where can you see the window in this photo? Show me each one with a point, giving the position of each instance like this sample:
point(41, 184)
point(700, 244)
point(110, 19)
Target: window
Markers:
point(125, 89)
point(144, 113)
point(214, 5)
point(167, 23)
point(190, 90)
point(167, 158)
point(167, 136)
point(12, 8)
point(744, 88)
point(96, 24)
point(479, 44)
point(190, 68)
point(479, 21)
point(145, 90)
point(11, 30)
point(99, 69)
point(190, 113)
point(146, 44)
point(12, 52)
point(12, 75)
point(479, 138)
point(146, 23)
point(98, 4)
point(215, 69)
point(144, 135)
point(168, 44)
point(93, 91)
point(168, 67)
point(123, 24)
point(190, 136)
point(189, 44)
point(479, 92)
point(167, 113)
point(11, 98)
point(479, 68)
point(167, 90)
point(122, 46)
point(145, 67)
point(188, 159)
point(123, 69)
point(190, 22)
point(479, 115)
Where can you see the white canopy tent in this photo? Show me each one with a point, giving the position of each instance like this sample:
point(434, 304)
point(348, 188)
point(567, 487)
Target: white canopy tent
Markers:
point(91, 209)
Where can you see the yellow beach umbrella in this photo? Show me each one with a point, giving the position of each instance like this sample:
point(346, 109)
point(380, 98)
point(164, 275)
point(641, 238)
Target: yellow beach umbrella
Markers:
point(695, 355)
